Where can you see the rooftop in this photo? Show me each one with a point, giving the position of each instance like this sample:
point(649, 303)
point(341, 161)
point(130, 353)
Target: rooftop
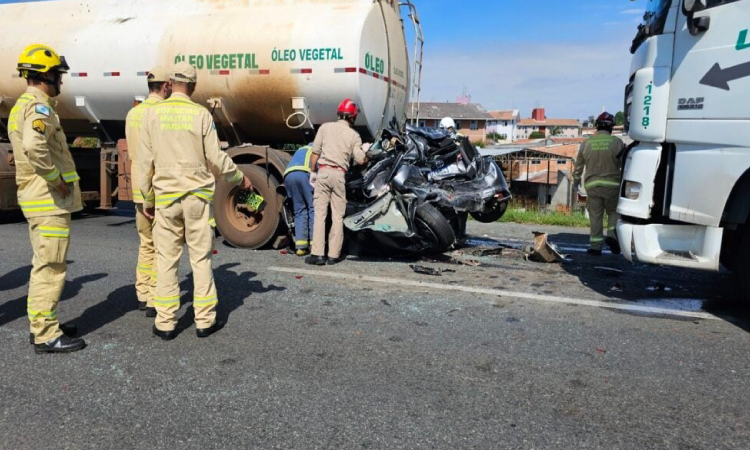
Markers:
point(505, 115)
point(549, 123)
point(456, 111)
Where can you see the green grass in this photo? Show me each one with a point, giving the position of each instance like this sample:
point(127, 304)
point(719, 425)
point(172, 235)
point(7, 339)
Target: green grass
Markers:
point(538, 217)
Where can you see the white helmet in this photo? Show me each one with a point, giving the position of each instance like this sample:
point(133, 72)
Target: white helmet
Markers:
point(447, 123)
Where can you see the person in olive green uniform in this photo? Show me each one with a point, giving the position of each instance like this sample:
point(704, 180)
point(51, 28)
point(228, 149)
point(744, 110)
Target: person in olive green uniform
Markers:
point(600, 157)
point(48, 192)
point(145, 275)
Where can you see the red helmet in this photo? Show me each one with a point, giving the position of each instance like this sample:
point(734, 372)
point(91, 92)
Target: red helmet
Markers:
point(605, 120)
point(348, 108)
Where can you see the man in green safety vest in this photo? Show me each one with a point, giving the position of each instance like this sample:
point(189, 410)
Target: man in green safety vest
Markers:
point(600, 157)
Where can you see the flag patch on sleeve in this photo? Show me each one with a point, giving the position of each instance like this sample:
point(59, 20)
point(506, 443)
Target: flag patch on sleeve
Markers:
point(43, 110)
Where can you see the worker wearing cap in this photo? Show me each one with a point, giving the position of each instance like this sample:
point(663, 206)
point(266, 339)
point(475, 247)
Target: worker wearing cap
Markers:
point(299, 189)
point(179, 151)
point(600, 157)
point(159, 89)
point(336, 144)
point(48, 193)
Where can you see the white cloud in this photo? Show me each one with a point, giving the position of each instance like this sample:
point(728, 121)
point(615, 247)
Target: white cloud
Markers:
point(632, 12)
point(570, 80)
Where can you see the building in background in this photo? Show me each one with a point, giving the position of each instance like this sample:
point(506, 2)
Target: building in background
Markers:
point(539, 172)
point(549, 127)
point(471, 118)
point(504, 123)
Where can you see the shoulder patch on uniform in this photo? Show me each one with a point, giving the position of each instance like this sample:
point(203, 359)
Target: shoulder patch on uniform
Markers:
point(43, 110)
point(39, 126)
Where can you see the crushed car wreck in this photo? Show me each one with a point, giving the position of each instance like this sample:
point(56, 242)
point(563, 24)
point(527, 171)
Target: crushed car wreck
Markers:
point(417, 191)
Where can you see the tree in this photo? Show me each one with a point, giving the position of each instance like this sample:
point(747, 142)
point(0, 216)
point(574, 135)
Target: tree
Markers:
point(620, 118)
point(537, 135)
point(556, 131)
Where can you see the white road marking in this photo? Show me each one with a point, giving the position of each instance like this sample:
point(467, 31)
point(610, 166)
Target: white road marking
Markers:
point(651, 310)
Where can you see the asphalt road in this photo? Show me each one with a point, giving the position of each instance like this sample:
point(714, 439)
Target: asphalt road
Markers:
point(370, 355)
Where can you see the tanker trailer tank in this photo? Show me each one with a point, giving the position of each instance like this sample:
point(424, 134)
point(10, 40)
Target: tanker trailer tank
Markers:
point(270, 70)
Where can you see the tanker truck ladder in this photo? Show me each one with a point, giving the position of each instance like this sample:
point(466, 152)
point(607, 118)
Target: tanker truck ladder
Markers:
point(416, 84)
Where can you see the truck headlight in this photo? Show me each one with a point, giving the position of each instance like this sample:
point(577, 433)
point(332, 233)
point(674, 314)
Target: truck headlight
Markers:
point(633, 190)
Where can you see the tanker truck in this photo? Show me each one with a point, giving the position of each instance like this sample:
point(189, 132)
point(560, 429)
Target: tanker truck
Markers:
point(270, 72)
point(685, 196)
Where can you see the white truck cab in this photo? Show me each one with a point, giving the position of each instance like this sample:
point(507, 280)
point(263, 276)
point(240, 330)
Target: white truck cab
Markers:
point(685, 196)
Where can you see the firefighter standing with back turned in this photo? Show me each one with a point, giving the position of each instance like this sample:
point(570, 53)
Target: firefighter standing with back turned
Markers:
point(600, 157)
point(48, 193)
point(145, 275)
point(334, 147)
point(179, 151)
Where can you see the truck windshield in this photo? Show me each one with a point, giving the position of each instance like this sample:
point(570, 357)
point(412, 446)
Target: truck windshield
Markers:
point(654, 21)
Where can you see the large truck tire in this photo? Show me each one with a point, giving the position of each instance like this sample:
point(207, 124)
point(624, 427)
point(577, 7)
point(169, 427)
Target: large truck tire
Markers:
point(240, 227)
point(435, 228)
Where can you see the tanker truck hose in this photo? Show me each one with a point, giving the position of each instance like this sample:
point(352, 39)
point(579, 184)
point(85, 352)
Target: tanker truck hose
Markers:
point(304, 120)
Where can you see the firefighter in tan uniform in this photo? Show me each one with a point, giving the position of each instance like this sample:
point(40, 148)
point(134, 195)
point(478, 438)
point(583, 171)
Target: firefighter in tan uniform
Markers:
point(600, 157)
point(179, 151)
point(334, 147)
point(48, 193)
point(145, 275)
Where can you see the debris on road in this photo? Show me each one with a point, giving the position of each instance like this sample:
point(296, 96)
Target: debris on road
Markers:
point(422, 270)
point(545, 252)
point(659, 287)
point(610, 271)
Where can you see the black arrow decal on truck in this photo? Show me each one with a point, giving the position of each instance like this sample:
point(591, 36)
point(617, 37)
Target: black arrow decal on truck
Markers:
point(720, 78)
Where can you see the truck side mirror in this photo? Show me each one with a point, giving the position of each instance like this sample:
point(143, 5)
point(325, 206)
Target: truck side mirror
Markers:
point(698, 25)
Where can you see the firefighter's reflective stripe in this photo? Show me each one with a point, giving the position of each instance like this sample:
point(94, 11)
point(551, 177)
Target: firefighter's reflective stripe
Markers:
point(53, 232)
point(205, 194)
point(297, 165)
point(236, 178)
point(205, 301)
point(52, 176)
point(596, 240)
point(41, 314)
point(602, 183)
point(168, 199)
point(13, 119)
point(147, 198)
point(302, 243)
point(166, 302)
point(71, 177)
point(37, 206)
point(146, 269)
point(212, 222)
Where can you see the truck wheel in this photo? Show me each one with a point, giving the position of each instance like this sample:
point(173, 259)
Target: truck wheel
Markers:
point(244, 228)
point(434, 228)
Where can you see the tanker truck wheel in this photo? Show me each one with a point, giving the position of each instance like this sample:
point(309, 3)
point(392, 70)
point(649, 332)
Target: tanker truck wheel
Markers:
point(435, 229)
point(241, 227)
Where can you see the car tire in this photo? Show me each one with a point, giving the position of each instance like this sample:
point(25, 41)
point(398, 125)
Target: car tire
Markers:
point(492, 214)
point(435, 228)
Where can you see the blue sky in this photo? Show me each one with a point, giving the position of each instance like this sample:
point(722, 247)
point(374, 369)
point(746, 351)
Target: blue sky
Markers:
point(570, 57)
